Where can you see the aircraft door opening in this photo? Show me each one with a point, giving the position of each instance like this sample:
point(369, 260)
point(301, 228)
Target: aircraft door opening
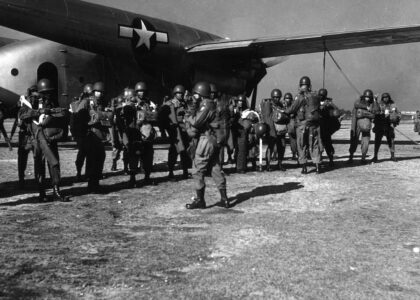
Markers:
point(49, 71)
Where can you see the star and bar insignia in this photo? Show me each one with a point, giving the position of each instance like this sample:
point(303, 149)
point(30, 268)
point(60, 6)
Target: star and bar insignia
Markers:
point(142, 34)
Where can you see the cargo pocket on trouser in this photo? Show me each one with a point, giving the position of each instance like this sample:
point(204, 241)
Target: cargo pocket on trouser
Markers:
point(205, 149)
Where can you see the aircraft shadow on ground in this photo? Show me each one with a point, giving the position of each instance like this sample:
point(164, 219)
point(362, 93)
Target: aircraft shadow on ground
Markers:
point(265, 191)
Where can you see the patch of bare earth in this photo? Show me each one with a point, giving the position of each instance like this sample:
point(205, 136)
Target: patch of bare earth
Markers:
point(349, 233)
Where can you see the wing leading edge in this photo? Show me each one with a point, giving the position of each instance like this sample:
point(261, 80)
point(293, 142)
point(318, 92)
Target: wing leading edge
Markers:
point(285, 46)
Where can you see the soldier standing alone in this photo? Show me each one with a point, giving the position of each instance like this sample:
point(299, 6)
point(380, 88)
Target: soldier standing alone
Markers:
point(207, 152)
point(42, 124)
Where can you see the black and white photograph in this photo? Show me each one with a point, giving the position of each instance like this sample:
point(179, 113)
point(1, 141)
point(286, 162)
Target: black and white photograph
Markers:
point(194, 149)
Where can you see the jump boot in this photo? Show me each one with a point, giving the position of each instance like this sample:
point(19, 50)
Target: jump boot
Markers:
point(198, 202)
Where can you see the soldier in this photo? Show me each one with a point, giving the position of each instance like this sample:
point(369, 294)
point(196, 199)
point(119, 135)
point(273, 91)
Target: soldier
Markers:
point(25, 136)
point(330, 123)
point(223, 119)
point(41, 121)
point(131, 139)
point(79, 110)
point(386, 119)
point(99, 126)
point(207, 152)
point(247, 142)
point(361, 124)
point(272, 115)
point(171, 118)
point(306, 108)
point(146, 117)
point(291, 126)
point(118, 129)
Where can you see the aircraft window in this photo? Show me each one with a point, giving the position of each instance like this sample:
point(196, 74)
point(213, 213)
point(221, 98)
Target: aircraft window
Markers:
point(15, 72)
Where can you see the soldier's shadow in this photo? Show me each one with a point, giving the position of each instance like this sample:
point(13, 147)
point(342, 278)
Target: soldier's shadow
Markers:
point(265, 191)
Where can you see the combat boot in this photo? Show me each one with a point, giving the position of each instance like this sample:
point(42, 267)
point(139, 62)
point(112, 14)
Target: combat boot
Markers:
point(304, 169)
point(224, 198)
point(57, 196)
point(148, 180)
point(350, 161)
point(126, 171)
point(79, 177)
point(185, 174)
point(331, 158)
point(198, 202)
point(42, 198)
point(93, 186)
point(254, 166)
point(21, 183)
point(374, 159)
point(171, 176)
point(317, 168)
point(393, 158)
point(132, 182)
point(114, 166)
point(281, 168)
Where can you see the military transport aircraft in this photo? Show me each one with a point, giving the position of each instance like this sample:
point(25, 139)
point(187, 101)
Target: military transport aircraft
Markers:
point(85, 42)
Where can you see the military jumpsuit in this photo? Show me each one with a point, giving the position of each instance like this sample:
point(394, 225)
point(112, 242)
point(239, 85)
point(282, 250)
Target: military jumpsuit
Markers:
point(356, 131)
point(308, 135)
point(208, 147)
point(384, 127)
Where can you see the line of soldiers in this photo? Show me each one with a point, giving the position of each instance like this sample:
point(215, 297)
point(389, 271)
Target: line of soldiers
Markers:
point(200, 127)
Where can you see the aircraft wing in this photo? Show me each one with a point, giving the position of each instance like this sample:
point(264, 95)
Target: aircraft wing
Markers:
point(285, 46)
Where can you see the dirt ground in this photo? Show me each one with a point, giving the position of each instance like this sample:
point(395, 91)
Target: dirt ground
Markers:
point(348, 233)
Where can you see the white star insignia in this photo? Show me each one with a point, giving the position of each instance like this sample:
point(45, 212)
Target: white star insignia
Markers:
point(144, 36)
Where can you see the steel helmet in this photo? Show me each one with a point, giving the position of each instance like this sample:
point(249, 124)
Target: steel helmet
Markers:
point(261, 129)
point(202, 88)
point(288, 96)
point(368, 94)
point(179, 89)
point(386, 95)
point(99, 87)
point(44, 85)
point(88, 88)
point(32, 89)
point(140, 86)
point(305, 80)
point(276, 93)
point(323, 93)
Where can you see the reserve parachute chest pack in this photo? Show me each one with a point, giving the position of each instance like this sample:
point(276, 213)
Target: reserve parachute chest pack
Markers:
point(309, 110)
point(56, 124)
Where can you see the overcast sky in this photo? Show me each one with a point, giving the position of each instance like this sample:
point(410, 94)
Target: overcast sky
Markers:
point(393, 69)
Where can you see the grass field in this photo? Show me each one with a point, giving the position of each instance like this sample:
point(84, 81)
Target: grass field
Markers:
point(348, 233)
